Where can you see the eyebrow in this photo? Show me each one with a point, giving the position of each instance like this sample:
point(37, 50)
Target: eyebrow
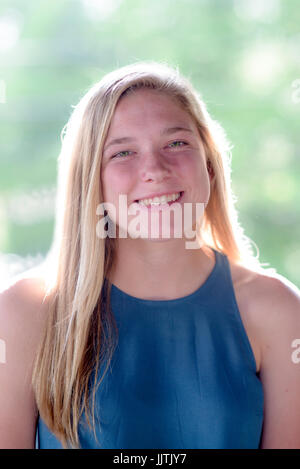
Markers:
point(167, 131)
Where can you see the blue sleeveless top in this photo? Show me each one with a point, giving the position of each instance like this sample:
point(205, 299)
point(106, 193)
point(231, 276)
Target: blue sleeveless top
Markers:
point(183, 375)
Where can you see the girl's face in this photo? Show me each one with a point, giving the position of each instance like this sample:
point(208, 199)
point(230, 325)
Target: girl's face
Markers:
point(153, 149)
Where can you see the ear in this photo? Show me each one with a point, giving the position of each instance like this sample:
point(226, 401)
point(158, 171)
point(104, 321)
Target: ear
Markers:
point(210, 169)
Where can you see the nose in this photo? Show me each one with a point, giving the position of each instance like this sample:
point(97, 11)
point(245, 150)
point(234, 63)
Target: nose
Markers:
point(153, 167)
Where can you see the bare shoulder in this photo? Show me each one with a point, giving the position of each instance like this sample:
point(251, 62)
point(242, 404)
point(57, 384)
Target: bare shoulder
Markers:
point(23, 309)
point(269, 305)
point(24, 299)
point(265, 292)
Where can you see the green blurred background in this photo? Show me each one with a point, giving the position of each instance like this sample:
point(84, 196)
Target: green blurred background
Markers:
point(242, 55)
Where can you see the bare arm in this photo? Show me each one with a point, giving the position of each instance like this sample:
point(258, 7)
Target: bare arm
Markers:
point(280, 373)
point(21, 319)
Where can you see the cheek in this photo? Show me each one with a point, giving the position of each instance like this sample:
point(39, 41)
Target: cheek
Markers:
point(195, 173)
point(115, 181)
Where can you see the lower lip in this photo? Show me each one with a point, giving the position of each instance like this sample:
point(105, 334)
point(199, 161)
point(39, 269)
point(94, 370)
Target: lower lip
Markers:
point(161, 206)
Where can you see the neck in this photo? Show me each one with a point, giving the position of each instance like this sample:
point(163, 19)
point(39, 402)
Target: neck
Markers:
point(160, 269)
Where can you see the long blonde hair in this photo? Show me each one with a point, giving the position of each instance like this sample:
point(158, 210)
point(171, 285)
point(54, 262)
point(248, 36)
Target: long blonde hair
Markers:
point(80, 332)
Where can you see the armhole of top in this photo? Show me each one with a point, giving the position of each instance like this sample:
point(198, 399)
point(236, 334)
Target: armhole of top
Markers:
point(237, 315)
point(37, 439)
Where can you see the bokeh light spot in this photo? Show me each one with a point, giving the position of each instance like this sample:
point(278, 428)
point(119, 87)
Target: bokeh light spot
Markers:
point(100, 9)
point(259, 10)
point(10, 28)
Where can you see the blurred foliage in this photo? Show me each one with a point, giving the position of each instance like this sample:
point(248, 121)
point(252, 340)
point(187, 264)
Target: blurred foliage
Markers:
point(242, 55)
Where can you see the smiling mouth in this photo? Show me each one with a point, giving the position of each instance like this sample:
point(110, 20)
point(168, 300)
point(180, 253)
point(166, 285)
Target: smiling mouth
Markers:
point(166, 199)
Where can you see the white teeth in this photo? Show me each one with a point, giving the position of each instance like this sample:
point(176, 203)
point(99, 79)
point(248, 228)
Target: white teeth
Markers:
point(160, 200)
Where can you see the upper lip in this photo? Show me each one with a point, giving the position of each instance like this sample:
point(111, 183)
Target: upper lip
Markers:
point(158, 194)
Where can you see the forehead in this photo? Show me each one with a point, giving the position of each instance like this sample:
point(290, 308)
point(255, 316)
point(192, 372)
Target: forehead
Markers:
point(150, 107)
